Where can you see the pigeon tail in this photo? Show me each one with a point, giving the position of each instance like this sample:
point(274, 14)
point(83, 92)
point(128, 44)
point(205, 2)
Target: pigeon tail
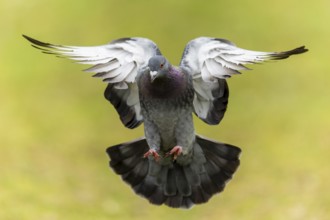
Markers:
point(179, 186)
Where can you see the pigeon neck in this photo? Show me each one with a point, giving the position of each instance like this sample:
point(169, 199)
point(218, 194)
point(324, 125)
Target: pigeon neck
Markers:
point(166, 86)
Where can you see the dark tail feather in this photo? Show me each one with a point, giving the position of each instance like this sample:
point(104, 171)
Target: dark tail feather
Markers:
point(212, 166)
point(222, 160)
point(127, 160)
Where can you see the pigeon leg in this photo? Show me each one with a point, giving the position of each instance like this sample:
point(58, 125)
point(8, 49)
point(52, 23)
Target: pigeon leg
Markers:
point(153, 139)
point(184, 134)
point(176, 151)
point(152, 153)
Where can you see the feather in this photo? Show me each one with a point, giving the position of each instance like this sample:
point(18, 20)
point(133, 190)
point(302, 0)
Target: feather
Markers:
point(170, 185)
point(126, 101)
point(182, 183)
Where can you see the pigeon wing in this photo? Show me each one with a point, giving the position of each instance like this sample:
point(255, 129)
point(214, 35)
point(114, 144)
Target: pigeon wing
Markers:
point(210, 61)
point(116, 63)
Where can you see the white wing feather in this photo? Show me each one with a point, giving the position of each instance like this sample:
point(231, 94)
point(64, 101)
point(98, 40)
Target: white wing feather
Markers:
point(117, 63)
point(210, 59)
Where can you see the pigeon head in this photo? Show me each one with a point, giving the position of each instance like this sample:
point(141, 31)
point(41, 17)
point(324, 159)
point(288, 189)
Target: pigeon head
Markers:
point(158, 66)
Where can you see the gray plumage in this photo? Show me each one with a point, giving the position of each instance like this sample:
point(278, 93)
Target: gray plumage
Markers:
point(171, 165)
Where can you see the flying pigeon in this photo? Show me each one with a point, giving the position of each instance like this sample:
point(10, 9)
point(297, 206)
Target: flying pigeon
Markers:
point(171, 165)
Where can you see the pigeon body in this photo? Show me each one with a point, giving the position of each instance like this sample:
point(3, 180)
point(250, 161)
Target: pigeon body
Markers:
point(171, 165)
point(166, 106)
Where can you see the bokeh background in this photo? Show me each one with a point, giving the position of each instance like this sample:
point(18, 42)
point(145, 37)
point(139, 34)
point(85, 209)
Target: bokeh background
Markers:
point(55, 124)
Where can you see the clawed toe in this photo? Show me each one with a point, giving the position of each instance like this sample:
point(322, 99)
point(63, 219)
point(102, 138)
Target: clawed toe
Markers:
point(152, 153)
point(176, 151)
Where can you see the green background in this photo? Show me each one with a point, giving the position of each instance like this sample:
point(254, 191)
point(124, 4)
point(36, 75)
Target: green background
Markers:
point(55, 124)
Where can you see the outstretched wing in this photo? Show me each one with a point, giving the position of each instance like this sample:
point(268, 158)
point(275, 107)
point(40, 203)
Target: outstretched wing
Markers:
point(116, 63)
point(210, 61)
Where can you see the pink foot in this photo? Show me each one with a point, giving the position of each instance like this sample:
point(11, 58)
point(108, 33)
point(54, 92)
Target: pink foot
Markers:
point(176, 151)
point(152, 153)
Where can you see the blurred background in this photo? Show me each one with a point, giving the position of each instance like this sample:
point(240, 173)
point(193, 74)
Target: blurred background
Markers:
point(55, 124)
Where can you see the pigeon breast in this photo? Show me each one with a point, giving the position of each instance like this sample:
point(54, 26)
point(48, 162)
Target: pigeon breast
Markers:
point(165, 101)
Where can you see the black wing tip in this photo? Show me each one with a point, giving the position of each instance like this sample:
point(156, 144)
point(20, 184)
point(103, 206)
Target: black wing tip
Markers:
point(36, 42)
point(286, 54)
point(302, 49)
point(297, 50)
point(28, 38)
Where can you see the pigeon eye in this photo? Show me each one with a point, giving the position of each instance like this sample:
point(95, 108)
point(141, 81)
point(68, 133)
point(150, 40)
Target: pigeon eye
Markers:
point(161, 65)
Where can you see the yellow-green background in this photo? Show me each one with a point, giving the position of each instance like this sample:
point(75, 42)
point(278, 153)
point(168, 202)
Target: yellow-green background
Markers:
point(55, 124)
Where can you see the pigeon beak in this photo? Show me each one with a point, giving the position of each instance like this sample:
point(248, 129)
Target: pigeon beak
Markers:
point(153, 75)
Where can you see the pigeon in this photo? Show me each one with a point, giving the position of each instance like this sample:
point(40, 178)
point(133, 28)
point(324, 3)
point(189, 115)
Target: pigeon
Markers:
point(171, 165)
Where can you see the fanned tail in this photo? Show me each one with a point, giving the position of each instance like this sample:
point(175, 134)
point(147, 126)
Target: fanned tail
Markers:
point(212, 166)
